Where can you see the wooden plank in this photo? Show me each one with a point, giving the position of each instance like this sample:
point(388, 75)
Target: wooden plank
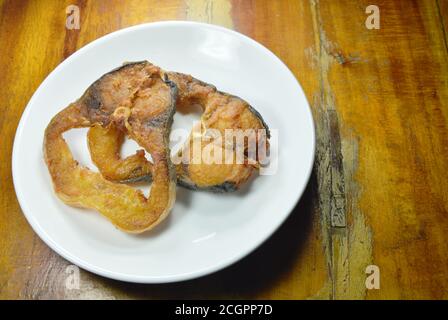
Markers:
point(24, 62)
point(215, 12)
point(388, 89)
point(442, 9)
point(290, 35)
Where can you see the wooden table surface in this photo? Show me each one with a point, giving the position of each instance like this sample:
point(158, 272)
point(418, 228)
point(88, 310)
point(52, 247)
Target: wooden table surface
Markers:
point(380, 104)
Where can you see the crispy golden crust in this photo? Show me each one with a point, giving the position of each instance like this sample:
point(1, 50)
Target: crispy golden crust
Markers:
point(119, 99)
point(104, 145)
point(221, 111)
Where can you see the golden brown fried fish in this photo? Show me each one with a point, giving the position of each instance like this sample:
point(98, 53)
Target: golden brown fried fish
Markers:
point(221, 111)
point(139, 100)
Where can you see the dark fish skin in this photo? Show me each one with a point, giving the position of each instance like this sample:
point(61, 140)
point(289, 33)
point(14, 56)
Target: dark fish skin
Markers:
point(258, 115)
point(227, 186)
point(169, 123)
point(221, 188)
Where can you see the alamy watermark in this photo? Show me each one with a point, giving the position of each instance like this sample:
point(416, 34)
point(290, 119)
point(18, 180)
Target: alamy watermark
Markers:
point(73, 20)
point(373, 278)
point(373, 18)
point(73, 280)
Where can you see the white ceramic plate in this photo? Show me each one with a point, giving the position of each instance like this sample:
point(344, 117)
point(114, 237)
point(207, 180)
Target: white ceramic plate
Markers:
point(205, 232)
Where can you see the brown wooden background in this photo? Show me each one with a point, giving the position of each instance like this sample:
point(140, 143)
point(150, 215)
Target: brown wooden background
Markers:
point(379, 99)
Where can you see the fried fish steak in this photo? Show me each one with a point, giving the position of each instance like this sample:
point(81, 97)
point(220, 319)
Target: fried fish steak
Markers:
point(221, 111)
point(138, 99)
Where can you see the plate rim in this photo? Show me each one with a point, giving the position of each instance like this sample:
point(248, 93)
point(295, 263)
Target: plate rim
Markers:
point(138, 278)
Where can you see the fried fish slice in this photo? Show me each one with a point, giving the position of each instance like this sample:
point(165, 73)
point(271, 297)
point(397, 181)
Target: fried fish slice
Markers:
point(221, 111)
point(120, 98)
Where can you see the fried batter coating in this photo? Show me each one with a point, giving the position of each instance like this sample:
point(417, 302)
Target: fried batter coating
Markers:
point(221, 111)
point(104, 145)
point(137, 99)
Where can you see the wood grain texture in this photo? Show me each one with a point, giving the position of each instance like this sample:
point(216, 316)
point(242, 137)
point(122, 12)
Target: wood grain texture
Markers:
point(378, 193)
